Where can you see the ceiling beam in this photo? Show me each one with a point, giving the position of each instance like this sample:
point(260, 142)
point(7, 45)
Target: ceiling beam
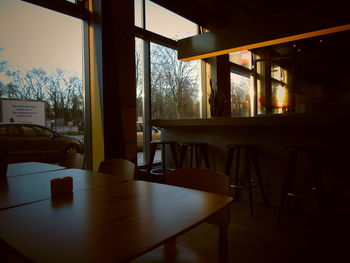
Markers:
point(273, 30)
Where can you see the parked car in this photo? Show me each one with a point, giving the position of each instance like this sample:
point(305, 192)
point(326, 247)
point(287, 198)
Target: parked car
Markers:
point(24, 142)
point(155, 135)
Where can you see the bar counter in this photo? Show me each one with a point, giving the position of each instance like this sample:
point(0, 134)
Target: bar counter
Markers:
point(272, 133)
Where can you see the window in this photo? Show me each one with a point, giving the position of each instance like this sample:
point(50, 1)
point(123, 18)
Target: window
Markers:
point(29, 131)
point(279, 98)
point(172, 25)
point(174, 85)
point(138, 5)
point(41, 59)
point(44, 132)
point(2, 130)
point(242, 58)
point(241, 95)
point(166, 87)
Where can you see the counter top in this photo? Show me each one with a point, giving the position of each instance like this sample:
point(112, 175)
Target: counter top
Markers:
point(262, 120)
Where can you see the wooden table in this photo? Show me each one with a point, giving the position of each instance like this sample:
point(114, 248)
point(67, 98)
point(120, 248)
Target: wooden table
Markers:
point(16, 169)
point(115, 223)
point(19, 190)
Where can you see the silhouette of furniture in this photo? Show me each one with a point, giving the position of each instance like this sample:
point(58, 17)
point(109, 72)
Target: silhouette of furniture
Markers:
point(239, 182)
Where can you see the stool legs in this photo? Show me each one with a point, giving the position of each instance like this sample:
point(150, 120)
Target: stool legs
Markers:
point(182, 155)
point(195, 150)
point(174, 154)
point(153, 152)
point(249, 178)
point(251, 159)
point(151, 157)
point(205, 156)
point(254, 158)
point(236, 180)
point(287, 186)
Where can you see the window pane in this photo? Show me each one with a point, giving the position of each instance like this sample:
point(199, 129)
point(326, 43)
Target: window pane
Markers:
point(139, 98)
point(261, 97)
point(241, 95)
point(166, 23)
point(138, 13)
point(278, 73)
point(279, 98)
point(243, 58)
point(28, 131)
point(175, 89)
point(41, 59)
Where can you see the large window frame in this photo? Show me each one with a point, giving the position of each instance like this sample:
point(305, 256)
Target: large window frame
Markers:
point(149, 37)
point(78, 10)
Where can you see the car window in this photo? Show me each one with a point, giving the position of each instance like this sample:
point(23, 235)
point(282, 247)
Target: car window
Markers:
point(44, 132)
point(9, 130)
point(29, 131)
point(2, 130)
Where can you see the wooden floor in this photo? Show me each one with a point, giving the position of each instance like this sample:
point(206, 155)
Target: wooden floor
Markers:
point(303, 235)
point(300, 237)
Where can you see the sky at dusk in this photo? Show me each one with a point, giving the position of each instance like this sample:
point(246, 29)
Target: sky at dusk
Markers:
point(32, 36)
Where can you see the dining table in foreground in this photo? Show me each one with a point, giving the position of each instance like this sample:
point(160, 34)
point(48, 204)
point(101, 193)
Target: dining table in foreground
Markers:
point(17, 169)
point(115, 223)
point(20, 190)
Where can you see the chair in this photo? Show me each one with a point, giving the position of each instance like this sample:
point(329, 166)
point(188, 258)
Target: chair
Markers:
point(73, 160)
point(118, 167)
point(204, 180)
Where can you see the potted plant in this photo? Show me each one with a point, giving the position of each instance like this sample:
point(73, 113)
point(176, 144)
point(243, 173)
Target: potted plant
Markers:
point(217, 100)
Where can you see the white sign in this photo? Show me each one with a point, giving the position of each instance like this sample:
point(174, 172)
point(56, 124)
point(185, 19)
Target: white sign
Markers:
point(23, 111)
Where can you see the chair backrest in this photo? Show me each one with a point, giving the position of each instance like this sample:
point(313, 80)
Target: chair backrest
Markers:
point(210, 181)
point(73, 160)
point(200, 179)
point(121, 167)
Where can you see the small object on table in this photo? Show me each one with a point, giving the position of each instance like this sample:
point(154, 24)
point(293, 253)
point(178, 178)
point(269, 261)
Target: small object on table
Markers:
point(61, 185)
point(67, 184)
point(56, 186)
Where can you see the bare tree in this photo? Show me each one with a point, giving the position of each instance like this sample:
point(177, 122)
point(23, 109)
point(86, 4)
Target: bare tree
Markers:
point(174, 85)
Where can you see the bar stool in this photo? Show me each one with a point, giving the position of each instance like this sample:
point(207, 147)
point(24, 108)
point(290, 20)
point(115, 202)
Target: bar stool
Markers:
point(196, 149)
point(290, 187)
point(251, 156)
point(154, 145)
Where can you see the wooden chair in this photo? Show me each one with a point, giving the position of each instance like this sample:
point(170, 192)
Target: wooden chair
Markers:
point(204, 180)
point(73, 160)
point(118, 167)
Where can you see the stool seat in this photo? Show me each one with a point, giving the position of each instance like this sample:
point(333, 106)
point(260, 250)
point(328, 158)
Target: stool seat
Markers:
point(242, 145)
point(196, 149)
point(162, 142)
point(251, 155)
point(193, 143)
